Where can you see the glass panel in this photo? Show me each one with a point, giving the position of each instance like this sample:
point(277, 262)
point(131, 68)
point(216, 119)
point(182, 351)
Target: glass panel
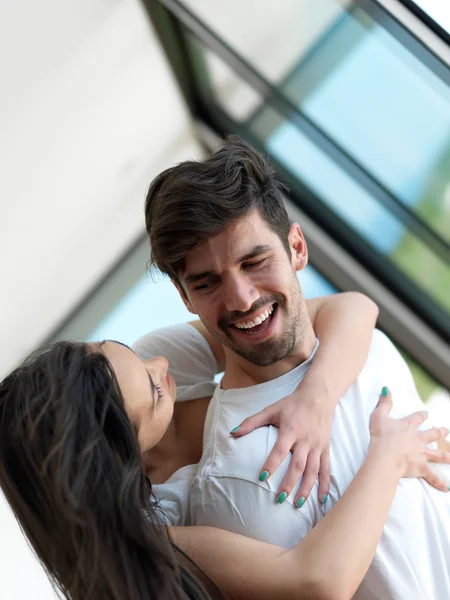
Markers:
point(356, 206)
point(382, 105)
point(237, 96)
point(150, 304)
point(272, 36)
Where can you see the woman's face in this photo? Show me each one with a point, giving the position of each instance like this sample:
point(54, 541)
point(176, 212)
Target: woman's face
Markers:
point(148, 390)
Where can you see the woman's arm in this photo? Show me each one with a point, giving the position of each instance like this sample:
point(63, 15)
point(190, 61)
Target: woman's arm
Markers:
point(328, 564)
point(344, 325)
point(332, 560)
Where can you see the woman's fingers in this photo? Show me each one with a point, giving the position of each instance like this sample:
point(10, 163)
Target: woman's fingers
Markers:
point(417, 418)
point(309, 478)
point(438, 456)
point(385, 402)
point(433, 435)
point(263, 417)
point(278, 453)
point(434, 480)
point(324, 476)
point(296, 469)
point(382, 410)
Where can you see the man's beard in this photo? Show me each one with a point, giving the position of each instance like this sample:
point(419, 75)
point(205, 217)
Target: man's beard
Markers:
point(270, 351)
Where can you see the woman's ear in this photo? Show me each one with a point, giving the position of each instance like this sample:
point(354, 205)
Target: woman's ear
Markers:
point(299, 249)
point(183, 296)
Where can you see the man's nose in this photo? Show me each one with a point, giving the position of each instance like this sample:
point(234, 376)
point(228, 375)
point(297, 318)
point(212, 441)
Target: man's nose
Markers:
point(239, 294)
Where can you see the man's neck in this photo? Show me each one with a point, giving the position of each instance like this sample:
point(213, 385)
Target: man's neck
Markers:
point(240, 373)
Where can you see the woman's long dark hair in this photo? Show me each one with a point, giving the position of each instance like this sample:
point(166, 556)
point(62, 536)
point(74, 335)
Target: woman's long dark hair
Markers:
point(71, 470)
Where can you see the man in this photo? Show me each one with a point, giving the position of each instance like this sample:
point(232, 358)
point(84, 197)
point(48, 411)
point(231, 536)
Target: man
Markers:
point(220, 231)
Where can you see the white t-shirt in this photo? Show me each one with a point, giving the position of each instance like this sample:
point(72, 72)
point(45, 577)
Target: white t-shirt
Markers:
point(412, 561)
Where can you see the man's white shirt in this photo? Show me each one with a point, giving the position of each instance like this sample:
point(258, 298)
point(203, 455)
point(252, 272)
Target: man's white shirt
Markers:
point(412, 561)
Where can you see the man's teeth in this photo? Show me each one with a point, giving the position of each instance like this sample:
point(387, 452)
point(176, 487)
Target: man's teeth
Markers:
point(259, 319)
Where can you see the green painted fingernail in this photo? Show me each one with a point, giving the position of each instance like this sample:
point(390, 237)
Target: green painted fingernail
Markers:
point(235, 429)
point(448, 487)
point(282, 497)
point(385, 391)
point(325, 498)
point(264, 475)
point(300, 502)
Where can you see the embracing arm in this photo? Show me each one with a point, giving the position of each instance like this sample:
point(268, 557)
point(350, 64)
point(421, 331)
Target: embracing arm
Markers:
point(344, 324)
point(332, 560)
point(328, 564)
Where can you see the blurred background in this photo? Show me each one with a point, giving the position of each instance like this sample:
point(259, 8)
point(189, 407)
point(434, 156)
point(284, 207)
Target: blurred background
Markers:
point(351, 101)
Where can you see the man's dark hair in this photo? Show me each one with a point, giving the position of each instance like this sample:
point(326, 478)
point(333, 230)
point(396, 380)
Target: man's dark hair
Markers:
point(193, 201)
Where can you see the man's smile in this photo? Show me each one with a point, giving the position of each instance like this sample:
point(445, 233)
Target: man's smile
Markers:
point(259, 327)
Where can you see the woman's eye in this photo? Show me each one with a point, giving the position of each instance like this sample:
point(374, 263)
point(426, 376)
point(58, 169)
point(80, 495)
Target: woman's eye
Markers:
point(159, 392)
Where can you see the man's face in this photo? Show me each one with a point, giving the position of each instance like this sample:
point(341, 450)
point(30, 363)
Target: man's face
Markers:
point(243, 286)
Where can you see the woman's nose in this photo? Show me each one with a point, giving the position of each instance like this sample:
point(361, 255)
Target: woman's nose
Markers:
point(159, 364)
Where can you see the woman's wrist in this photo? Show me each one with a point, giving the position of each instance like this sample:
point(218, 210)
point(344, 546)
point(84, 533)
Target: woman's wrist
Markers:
point(315, 390)
point(385, 457)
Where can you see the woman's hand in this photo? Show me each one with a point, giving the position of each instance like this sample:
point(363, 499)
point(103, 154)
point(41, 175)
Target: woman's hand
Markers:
point(305, 430)
point(406, 444)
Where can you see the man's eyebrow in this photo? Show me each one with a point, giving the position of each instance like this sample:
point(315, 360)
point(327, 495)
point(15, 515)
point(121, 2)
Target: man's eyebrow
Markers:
point(255, 251)
point(193, 277)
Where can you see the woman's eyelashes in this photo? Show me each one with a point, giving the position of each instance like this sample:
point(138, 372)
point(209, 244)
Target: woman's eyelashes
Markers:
point(159, 390)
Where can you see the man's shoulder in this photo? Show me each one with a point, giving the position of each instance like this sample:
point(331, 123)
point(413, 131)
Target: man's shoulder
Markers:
point(385, 365)
point(382, 351)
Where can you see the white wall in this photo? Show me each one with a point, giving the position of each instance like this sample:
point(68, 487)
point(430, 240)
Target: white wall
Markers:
point(89, 113)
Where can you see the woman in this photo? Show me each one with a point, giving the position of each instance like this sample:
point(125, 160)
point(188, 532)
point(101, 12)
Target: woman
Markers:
point(74, 423)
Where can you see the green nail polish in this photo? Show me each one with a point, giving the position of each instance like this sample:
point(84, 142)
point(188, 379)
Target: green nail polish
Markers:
point(448, 487)
point(235, 429)
point(300, 502)
point(385, 391)
point(325, 498)
point(282, 497)
point(264, 475)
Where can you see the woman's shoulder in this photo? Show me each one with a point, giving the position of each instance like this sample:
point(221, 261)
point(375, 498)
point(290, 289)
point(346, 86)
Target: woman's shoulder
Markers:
point(172, 496)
